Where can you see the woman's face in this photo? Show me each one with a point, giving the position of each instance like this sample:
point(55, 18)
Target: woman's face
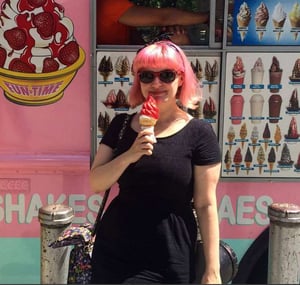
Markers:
point(163, 92)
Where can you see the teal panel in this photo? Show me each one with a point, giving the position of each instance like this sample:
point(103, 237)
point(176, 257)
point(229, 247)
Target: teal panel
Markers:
point(19, 261)
point(240, 246)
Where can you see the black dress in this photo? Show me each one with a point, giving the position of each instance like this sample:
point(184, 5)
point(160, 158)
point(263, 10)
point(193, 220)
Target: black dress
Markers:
point(148, 232)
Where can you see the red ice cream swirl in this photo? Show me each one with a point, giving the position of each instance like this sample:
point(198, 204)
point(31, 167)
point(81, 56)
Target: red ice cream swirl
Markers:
point(150, 108)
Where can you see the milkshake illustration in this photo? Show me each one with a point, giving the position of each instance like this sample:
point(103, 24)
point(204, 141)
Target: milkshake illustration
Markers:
point(238, 75)
point(236, 107)
point(275, 74)
point(243, 18)
point(278, 19)
point(275, 101)
point(261, 19)
point(295, 77)
point(256, 108)
point(257, 75)
point(294, 17)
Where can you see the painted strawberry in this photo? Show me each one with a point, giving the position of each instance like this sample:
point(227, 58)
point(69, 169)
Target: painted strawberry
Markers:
point(16, 38)
point(69, 53)
point(19, 66)
point(37, 3)
point(3, 55)
point(44, 23)
point(50, 65)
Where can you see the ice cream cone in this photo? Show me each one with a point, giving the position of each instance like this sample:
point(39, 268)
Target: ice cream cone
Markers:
point(295, 25)
point(254, 141)
point(260, 34)
point(266, 145)
point(271, 165)
point(242, 143)
point(260, 169)
point(278, 26)
point(209, 87)
point(228, 167)
point(237, 169)
point(248, 164)
point(243, 24)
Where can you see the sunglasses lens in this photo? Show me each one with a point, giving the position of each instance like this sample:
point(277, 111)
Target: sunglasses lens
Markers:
point(166, 76)
point(146, 76)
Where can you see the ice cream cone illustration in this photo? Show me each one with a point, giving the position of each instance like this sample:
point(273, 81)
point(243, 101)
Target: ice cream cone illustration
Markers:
point(237, 159)
point(260, 158)
point(105, 68)
point(261, 19)
point(254, 138)
point(266, 135)
point(294, 17)
point(277, 136)
point(230, 136)
point(228, 161)
point(278, 19)
point(243, 133)
point(271, 159)
point(149, 115)
point(243, 19)
point(248, 160)
point(122, 67)
point(197, 68)
point(211, 73)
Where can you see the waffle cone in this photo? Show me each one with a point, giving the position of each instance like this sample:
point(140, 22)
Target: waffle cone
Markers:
point(237, 169)
point(147, 121)
point(248, 164)
point(271, 165)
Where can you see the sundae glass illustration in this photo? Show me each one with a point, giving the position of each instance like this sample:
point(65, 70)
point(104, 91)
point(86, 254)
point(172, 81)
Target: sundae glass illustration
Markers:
point(39, 55)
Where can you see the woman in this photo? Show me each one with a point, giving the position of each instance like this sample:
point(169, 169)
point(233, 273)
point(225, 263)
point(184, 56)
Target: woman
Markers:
point(148, 232)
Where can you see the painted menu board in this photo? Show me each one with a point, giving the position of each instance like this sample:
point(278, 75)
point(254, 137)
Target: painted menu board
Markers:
point(114, 79)
point(262, 115)
point(266, 22)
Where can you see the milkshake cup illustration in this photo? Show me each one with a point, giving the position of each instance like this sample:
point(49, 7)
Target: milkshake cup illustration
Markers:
point(261, 20)
point(275, 101)
point(275, 74)
point(278, 19)
point(39, 53)
point(256, 108)
point(257, 74)
point(238, 75)
point(236, 107)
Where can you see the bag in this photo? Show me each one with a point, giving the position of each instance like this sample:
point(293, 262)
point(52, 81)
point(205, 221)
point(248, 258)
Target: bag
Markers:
point(81, 238)
point(228, 262)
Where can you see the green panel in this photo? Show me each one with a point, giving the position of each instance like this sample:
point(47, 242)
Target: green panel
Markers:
point(20, 261)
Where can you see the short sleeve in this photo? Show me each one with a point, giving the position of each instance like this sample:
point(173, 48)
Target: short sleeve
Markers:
point(207, 149)
point(111, 136)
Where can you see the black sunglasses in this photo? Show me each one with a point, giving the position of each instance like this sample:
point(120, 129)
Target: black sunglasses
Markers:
point(166, 76)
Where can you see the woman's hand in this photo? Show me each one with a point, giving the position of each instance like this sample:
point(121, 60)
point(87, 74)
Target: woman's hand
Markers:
point(143, 145)
point(211, 278)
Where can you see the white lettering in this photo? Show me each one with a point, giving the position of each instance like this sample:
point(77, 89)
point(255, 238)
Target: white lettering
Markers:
point(242, 209)
point(33, 208)
point(17, 207)
point(226, 210)
point(262, 203)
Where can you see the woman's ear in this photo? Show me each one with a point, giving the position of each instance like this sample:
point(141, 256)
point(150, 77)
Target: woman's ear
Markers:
point(180, 80)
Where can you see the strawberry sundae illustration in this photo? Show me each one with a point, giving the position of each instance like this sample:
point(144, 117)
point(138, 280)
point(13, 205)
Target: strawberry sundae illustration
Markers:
point(39, 55)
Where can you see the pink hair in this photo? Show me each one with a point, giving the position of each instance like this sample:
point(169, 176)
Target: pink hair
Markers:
point(162, 54)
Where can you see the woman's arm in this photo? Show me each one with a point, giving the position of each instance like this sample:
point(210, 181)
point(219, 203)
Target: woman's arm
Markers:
point(105, 170)
point(140, 16)
point(205, 203)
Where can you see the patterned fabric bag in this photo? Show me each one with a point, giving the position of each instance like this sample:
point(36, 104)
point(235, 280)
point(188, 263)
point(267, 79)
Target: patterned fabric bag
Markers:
point(81, 238)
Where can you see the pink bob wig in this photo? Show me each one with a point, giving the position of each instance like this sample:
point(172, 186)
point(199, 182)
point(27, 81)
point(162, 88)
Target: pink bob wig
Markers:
point(165, 54)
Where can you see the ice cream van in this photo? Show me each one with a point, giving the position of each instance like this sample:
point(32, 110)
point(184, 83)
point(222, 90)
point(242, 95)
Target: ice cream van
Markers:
point(65, 73)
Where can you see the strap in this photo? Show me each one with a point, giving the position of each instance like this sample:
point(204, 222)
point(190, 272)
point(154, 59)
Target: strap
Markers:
point(106, 193)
